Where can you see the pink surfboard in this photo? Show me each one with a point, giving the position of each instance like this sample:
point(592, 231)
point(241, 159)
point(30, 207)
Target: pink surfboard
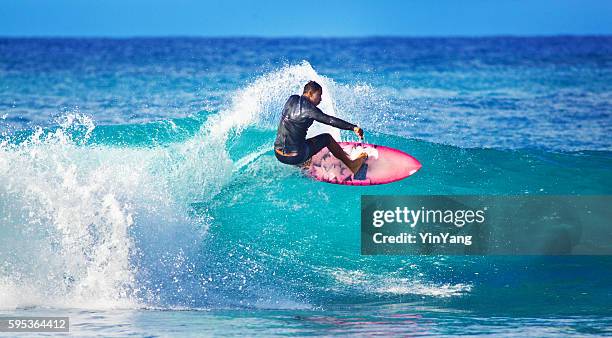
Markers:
point(383, 165)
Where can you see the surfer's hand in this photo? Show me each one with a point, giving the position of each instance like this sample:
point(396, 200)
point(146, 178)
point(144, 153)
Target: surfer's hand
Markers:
point(358, 131)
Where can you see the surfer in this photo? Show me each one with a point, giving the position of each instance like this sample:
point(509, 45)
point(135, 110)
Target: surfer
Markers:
point(291, 145)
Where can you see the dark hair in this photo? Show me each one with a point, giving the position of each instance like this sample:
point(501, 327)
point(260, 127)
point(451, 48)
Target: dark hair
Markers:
point(312, 87)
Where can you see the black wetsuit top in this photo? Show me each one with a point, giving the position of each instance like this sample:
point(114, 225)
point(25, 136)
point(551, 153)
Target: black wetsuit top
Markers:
point(298, 115)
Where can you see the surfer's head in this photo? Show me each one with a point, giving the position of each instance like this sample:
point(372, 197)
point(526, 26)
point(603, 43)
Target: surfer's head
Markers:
point(313, 91)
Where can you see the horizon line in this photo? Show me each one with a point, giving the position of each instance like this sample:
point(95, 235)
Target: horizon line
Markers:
point(271, 37)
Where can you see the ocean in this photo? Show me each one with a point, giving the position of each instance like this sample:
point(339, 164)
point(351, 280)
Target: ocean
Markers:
point(139, 194)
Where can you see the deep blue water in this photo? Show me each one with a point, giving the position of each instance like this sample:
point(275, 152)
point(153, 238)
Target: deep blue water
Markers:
point(139, 195)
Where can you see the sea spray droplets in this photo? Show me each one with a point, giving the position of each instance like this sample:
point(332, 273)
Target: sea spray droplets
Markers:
point(260, 103)
point(67, 230)
point(74, 216)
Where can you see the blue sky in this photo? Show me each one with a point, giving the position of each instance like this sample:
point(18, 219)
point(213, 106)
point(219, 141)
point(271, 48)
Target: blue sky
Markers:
point(124, 18)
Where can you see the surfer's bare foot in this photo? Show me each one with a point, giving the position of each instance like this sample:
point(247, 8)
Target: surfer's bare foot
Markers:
point(358, 162)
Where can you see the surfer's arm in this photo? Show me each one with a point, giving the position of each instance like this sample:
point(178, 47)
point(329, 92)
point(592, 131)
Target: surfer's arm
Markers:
point(319, 116)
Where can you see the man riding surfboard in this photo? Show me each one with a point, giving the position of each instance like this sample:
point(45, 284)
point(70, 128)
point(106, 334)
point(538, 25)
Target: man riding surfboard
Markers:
point(291, 145)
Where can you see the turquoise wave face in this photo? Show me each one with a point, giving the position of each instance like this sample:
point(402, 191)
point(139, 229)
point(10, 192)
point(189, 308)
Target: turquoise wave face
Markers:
point(178, 214)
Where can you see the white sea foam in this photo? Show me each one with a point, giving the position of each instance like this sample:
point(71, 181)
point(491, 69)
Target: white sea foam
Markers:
point(102, 226)
point(381, 284)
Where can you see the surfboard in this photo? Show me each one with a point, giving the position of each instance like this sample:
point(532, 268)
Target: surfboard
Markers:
point(383, 165)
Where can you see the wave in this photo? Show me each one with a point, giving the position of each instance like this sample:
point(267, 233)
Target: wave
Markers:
point(196, 212)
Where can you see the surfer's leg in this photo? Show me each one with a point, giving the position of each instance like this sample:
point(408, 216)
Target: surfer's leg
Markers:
point(315, 144)
point(337, 150)
point(326, 140)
